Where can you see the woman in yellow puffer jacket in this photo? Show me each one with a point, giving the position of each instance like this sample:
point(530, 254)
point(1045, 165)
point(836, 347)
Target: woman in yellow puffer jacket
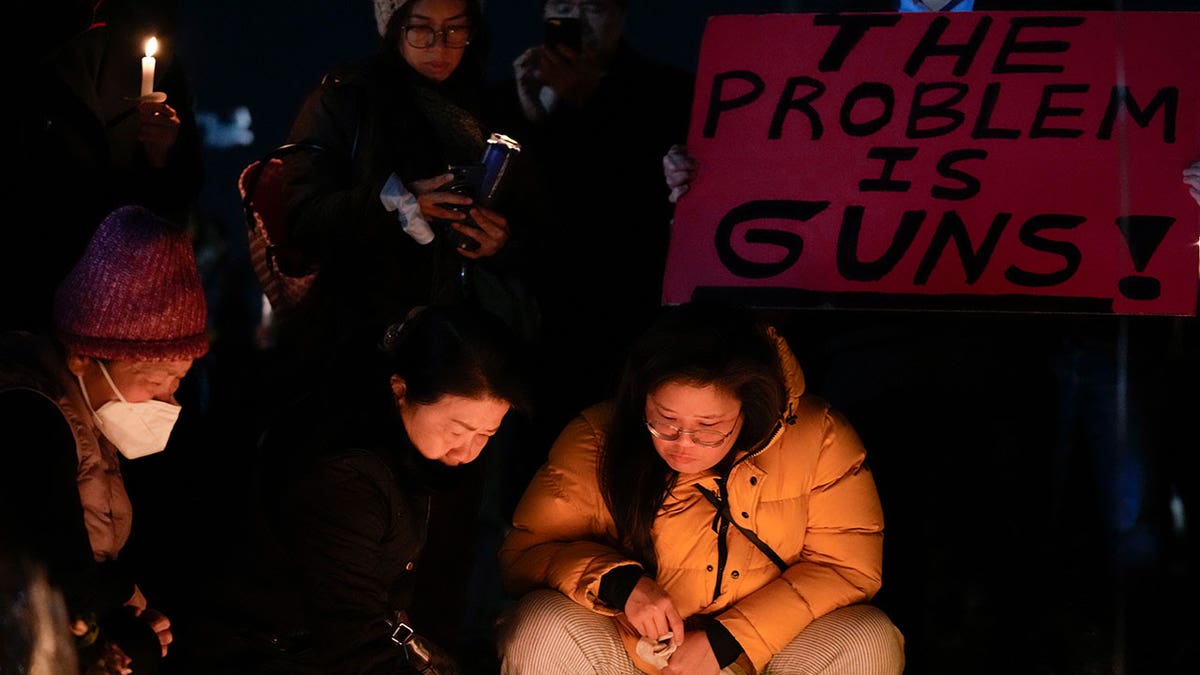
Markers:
point(712, 518)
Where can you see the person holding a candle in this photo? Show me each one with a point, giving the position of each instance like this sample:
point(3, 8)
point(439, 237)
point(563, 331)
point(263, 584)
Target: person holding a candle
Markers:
point(159, 122)
point(89, 142)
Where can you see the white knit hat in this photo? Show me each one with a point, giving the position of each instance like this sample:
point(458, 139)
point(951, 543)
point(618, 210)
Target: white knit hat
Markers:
point(383, 13)
point(384, 9)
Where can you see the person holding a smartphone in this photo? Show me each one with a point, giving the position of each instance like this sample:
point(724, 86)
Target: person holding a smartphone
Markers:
point(581, 40)
point(594, 116)
point(365, 206)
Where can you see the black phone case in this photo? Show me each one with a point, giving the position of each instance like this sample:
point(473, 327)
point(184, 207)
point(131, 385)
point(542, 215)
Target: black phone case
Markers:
point(467, 181)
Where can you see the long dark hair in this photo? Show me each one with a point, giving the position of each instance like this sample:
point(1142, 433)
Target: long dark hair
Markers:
point(698, 344)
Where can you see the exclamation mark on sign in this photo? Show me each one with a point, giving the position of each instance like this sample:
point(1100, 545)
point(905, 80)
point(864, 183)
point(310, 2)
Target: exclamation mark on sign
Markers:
point(1142, 235)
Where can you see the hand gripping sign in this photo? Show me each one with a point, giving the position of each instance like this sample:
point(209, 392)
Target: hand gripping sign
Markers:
point(975, 160)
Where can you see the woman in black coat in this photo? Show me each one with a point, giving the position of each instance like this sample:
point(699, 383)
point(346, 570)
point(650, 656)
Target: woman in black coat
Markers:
point(358, 471)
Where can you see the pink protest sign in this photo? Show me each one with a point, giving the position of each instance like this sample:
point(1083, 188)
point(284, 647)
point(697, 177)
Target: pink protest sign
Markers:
point(974, 160)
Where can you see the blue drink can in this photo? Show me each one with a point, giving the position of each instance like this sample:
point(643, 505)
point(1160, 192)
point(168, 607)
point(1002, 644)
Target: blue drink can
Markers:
point(496, 159)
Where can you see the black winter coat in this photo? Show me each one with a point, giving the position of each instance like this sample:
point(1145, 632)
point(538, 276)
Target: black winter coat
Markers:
point(348, 502)
point(373, 119)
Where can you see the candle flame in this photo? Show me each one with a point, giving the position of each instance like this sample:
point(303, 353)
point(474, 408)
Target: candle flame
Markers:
point(151, 46)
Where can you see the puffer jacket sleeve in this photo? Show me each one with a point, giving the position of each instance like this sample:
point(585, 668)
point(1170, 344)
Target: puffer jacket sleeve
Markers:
point(842, 559)
point(563, 536)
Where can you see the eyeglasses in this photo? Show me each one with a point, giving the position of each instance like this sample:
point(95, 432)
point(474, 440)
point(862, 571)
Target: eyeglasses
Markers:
point(708, 438)
point(424, 37)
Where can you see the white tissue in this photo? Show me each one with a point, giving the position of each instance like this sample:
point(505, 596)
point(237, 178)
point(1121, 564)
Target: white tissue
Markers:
point(548, 98)
point(656, 652)
point(396, 197)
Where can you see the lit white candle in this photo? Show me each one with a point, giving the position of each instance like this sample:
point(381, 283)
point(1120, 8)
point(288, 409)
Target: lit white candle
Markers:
point(148, 66)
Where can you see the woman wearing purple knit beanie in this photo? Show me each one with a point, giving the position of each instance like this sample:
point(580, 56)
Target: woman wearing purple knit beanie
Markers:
point(129, 320)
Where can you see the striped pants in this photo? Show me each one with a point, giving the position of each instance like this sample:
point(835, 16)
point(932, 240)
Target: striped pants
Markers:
point(547, 633)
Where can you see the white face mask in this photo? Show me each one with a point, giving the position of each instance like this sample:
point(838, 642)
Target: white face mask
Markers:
point(137, 429)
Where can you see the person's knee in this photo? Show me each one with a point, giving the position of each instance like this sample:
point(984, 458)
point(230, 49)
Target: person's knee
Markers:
point(879, 643)
point(548, 632)
point(534, 625)
point(854, 640)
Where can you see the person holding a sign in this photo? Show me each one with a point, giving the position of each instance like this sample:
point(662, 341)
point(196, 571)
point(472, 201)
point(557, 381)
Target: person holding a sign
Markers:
point(713, 516)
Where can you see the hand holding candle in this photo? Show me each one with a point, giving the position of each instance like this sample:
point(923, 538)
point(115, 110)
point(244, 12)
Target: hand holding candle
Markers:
point(158, 129)
point(148, 67)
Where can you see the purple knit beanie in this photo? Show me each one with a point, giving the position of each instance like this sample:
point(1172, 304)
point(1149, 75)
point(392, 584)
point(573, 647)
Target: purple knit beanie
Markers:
point(135, 294)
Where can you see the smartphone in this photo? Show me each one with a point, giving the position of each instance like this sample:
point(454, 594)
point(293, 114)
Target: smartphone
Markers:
point(467, 181)
point(565, 31)
point(468, 178)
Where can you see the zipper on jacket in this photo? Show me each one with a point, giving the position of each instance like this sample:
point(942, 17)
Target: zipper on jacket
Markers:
point(775, 434)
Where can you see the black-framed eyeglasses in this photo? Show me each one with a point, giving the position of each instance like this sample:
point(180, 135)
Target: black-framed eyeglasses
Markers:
point(423, 37)
point(708, 438)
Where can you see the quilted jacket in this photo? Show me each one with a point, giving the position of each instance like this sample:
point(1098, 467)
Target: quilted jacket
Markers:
point(808, 493)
